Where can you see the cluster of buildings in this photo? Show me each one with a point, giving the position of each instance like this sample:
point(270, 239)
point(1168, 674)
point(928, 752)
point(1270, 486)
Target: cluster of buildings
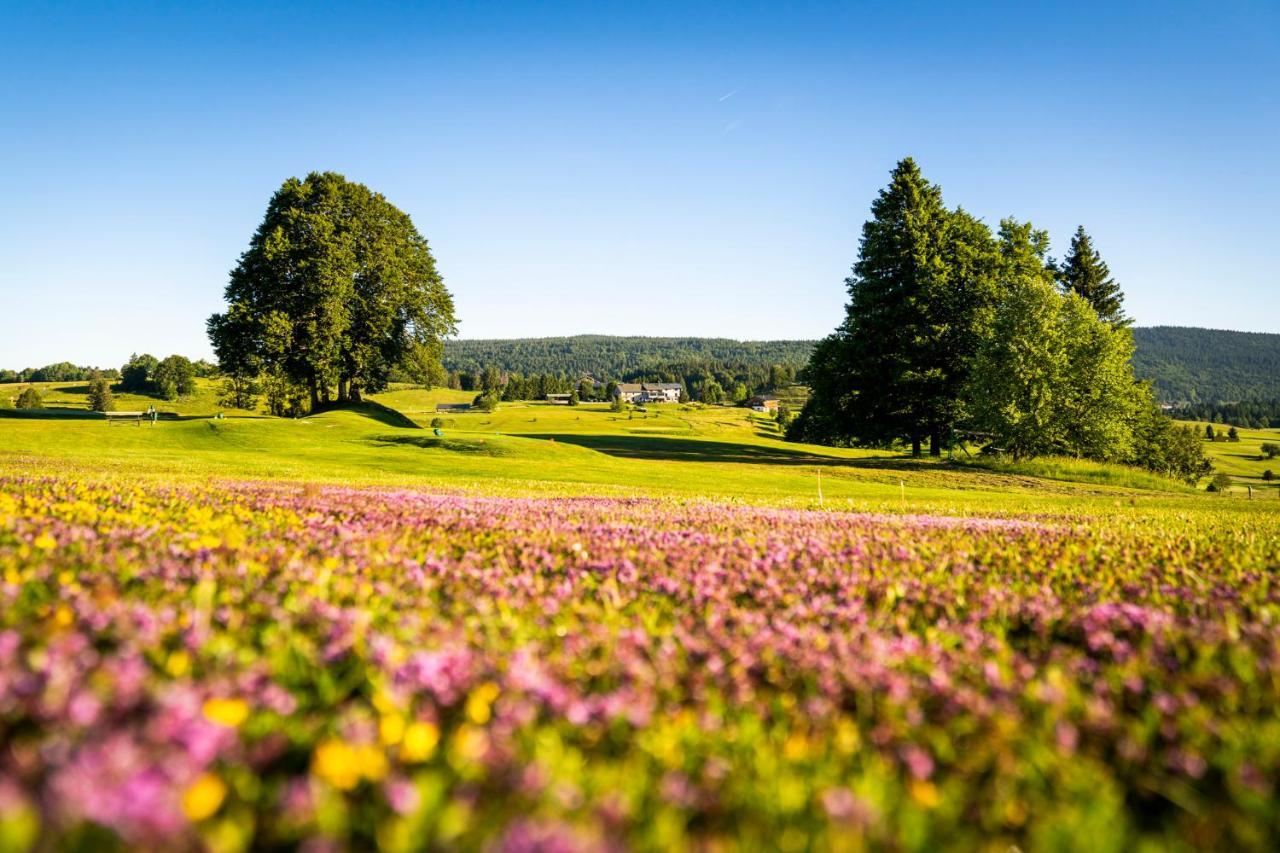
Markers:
point(649, 392)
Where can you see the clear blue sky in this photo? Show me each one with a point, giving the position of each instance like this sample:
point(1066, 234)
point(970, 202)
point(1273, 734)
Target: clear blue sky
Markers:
point(624, 168)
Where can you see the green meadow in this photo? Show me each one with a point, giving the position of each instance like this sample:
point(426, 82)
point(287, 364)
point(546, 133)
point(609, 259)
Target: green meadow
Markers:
point(677, 451)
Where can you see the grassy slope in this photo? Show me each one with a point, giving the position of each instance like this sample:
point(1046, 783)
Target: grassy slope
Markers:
point(535, 448)
point(1243, 459)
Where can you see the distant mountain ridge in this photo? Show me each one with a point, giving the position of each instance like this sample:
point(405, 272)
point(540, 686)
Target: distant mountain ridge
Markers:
point(614, 356)
point(1190, 365)
point(1185, 364)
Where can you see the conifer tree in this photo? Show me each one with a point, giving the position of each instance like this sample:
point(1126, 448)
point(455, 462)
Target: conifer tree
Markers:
point(1084, 272)
point(921, 291)
point(100, 396)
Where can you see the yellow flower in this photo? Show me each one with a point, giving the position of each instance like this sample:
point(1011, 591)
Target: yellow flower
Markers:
point(479, 702)
point(371, 762)
point(419, 742)
point(45, 542)
point(335, 763)
point(63, 617)
point(178, 664)
point(925, 793)
point(391, 729)
point(226, 712)
point(203, 797)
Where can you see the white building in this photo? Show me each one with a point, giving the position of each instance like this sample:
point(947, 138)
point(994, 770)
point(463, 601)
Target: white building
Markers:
point(649, 392)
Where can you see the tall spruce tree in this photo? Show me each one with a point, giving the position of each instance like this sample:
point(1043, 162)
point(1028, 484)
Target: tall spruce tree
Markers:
point(920, 295)
point(1084, 272)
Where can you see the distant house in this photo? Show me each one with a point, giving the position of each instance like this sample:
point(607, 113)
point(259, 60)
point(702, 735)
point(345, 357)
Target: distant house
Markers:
point(649, 392)
point(444, 408)
point(763, 404)
point(559, 399)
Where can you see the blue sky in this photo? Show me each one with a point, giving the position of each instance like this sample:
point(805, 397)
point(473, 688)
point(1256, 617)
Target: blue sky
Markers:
point(626, 168)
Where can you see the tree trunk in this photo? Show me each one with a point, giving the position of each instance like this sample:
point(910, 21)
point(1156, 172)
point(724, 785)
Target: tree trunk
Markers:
point(935, 444)
point(314, 388)
point(355, 391)
point(915, 446)
point(342, 389)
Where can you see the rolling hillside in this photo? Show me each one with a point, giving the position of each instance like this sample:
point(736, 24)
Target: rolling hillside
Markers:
point(1185, 364)
point(1189, 365)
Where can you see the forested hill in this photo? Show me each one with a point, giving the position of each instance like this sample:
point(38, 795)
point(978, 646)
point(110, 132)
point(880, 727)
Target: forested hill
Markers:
point(1185, 364)
point(606, 356)
point(1208, 365)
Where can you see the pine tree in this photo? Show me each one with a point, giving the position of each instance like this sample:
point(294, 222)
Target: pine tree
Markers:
point(920, 293)
point(1084, 272)
point(100, 397)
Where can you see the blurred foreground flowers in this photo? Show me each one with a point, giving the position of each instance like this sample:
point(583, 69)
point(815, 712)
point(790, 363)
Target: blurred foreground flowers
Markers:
point(246, 665)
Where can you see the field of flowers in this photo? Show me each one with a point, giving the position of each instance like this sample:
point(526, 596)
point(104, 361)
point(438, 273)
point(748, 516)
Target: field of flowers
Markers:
point(247, 665)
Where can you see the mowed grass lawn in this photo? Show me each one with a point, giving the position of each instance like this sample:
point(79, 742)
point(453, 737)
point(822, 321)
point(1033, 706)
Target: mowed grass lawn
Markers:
point(1243, 459)
point(722, 453)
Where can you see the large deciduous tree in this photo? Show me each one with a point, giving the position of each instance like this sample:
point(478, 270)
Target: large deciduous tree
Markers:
point(1085, 273)
point(920, 296)
point(336, 289)
point(1052, 377)
point(137, 372)
point(174, 377)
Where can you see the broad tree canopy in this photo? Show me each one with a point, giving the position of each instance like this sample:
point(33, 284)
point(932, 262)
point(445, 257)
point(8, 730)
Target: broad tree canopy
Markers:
point(336, 289)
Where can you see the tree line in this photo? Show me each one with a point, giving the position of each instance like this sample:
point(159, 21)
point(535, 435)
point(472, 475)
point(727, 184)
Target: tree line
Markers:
point(1251, 414)
point(953, 330)
point(710, 382)
point(604, 356)
point(169, 379)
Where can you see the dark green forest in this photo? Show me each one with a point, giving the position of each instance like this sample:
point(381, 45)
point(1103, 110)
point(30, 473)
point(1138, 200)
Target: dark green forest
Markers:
point(606, 356)
point(1184, 364)
point(1190, 365)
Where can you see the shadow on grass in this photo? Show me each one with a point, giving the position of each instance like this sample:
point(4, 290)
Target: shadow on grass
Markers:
point(66, 413)
point(51, 413)
point(378, 412)
point(478, 448)
point(698, 450)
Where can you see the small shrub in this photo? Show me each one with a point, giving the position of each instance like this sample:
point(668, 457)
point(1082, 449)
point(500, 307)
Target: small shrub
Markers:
point(1233, 434)
point(30, 398)
point(1220, 482)
point(1270, 450)
point(1268, 475)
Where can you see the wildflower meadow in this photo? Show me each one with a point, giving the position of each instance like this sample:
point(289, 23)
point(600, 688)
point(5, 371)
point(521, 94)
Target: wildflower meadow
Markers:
point(239, 665)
